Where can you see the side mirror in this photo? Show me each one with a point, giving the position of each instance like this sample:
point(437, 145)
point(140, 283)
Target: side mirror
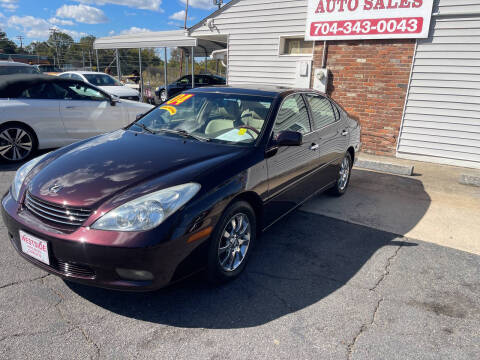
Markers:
point(289, 138)
point(114, 100)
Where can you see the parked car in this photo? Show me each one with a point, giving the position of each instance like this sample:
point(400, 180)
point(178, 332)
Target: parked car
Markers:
point(105, 82)
point(12, 67)
point(190, 185)
point(48, 69)
point(42, 112)
point(185, 83)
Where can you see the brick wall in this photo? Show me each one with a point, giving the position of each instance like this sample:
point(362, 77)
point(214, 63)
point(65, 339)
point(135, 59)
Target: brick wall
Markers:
point(369, 79)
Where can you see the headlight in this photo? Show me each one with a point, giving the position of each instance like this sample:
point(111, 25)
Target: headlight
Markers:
point(22, 174)
point(147, 212)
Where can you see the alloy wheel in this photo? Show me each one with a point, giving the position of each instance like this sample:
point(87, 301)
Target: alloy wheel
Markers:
point(235, 241)
point(16, 144)
point(344, 174)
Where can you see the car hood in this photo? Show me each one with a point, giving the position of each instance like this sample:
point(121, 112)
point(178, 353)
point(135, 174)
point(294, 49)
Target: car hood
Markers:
point(120, 90)
point(108, 165)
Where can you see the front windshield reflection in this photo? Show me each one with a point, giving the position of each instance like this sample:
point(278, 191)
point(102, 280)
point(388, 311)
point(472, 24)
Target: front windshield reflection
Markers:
point(223, 118)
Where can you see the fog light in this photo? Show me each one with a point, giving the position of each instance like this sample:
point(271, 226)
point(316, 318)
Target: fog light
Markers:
point(139, 275)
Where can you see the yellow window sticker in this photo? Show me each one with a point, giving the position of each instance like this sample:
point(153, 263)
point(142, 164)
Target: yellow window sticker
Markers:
point(170, 109)
point(180, 99)
point(242, 131)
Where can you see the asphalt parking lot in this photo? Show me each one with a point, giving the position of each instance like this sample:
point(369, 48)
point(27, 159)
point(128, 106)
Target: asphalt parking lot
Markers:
point(316, 288)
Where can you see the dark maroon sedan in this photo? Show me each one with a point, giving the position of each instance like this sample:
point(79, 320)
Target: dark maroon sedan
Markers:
point(188, 186)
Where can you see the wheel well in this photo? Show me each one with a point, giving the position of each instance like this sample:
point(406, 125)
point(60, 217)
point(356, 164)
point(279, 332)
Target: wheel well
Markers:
point(12, 123)
point(352, 154)
point(256, 203)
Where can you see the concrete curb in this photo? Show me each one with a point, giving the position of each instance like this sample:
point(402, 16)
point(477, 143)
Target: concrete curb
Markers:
point(394, 169)
point(470, 180)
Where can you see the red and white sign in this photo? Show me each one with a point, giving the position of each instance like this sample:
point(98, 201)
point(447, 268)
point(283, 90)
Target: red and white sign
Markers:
point(368, 19)
point(34, 247)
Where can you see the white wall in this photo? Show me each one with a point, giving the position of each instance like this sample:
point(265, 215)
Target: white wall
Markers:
point(254, 28)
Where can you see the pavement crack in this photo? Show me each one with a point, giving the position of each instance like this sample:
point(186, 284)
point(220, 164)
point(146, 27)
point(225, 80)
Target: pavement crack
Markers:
point(364, 327)
point(386, 270)
point(23, 281)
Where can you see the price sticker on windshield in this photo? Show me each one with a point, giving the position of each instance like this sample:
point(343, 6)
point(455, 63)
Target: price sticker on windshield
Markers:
point(180, 99)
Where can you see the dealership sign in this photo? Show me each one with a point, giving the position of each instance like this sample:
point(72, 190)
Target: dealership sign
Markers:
point(368, 19)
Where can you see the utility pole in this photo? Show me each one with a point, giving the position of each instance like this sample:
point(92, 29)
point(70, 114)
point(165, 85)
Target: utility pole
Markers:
point(182, 55)
point(53, 32)
point(20, 38)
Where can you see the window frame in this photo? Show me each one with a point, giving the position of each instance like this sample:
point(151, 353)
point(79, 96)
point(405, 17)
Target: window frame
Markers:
point(312, 119)
point(281, 46)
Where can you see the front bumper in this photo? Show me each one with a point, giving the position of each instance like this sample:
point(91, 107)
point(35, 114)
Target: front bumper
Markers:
point(73, 256)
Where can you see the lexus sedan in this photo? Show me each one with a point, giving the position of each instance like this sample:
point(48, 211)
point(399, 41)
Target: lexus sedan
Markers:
point(105, 82)
point(44, 112)
point(189, 186)
point(185, 83)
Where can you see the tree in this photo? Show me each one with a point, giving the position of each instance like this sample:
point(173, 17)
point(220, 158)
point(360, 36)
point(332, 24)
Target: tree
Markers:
point(7, 46)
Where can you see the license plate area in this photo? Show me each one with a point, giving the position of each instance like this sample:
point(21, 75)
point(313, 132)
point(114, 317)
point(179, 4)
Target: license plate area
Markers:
point(34, 247)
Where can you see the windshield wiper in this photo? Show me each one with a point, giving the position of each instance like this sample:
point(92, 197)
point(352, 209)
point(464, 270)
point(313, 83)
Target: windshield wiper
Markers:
point(146, 128)
point(184, 133)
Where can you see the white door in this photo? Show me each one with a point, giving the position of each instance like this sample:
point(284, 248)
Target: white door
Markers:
point(87, 112)
point(39, 107)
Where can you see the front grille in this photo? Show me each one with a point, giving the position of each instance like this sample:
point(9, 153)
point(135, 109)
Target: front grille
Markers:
point(55, 213)
point(77, 270)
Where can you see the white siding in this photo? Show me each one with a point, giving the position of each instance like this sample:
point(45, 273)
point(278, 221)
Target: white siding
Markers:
point(442, 113)
point(254, 28)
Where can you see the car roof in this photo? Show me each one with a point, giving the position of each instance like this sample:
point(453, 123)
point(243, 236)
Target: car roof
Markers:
point(13, 85)
point(85, 72)
point(13, 63)
point(257, 89)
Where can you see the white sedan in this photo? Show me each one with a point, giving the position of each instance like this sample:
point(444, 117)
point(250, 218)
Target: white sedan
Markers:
point(43, 112)
point(105, 82)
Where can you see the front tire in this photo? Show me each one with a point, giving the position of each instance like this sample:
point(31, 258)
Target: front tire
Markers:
point(231, 243)
point(163, 96)
point(17, 143)
point(343, 180)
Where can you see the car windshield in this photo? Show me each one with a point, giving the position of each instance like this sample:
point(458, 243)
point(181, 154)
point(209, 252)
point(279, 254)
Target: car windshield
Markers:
point(221, 118)
point(10, 70)
point(102, 80)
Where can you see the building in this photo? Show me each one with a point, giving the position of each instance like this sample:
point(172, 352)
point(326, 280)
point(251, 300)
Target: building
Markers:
point(415, 98)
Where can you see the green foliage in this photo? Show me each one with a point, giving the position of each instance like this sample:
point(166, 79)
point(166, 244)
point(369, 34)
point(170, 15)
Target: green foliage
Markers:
point(7, 46)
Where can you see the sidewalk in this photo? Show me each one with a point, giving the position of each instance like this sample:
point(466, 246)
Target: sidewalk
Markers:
point(431, 205)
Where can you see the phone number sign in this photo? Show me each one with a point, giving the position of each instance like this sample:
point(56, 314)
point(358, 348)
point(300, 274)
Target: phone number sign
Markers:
point(368, 19)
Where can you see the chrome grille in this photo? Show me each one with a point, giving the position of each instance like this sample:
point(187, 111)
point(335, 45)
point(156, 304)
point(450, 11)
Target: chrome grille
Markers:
point(56, 213)
point(76, 270)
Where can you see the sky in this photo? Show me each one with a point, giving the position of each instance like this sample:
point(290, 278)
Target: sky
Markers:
point(32, 19)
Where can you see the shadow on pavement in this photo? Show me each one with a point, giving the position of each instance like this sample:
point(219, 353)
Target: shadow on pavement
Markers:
point(297, 263)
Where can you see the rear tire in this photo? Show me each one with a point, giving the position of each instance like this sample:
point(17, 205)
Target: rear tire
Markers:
point(17, 143)
point(231, 243)
point(343, 179)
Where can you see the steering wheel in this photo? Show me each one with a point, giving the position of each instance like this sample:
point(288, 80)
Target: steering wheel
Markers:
point(248, 128)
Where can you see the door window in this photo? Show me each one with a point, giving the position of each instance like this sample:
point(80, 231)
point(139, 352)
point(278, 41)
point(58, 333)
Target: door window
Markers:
point(322, 111)
point(292, 116)
point(77, 91)
point(40, 91)
point(76, 77)
point(186, 80)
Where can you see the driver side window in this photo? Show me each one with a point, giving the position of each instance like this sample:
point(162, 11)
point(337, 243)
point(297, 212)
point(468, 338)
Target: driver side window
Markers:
point(292, 116)
point(78, 91)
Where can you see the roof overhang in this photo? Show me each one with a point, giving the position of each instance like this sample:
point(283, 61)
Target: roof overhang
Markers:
point(160, 39)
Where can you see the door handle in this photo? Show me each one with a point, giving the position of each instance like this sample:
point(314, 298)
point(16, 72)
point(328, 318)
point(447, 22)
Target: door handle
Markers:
point(314, 147)
point(70, 107)
point(344, 133)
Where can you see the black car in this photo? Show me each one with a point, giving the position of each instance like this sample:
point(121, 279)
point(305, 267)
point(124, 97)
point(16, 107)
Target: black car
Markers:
point(185, 83)
point(190, 185)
